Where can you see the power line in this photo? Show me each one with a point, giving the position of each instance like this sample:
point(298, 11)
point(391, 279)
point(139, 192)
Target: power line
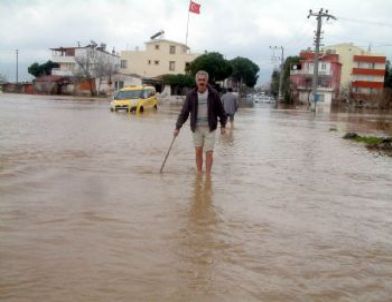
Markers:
point(298, 33)
point(365, 21)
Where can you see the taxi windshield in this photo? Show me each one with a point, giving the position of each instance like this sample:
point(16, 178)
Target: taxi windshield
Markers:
point(128, 94)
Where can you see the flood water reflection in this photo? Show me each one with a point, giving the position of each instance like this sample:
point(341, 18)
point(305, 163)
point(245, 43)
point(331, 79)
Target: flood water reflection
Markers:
point(291, 212)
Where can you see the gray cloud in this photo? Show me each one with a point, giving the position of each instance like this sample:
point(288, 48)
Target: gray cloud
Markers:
point(234, 28)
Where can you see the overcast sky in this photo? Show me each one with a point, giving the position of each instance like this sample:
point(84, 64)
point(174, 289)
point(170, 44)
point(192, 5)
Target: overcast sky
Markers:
point(234, 28)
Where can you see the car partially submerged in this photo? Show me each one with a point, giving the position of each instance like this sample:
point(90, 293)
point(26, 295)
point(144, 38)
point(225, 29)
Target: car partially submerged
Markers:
point(135, 99)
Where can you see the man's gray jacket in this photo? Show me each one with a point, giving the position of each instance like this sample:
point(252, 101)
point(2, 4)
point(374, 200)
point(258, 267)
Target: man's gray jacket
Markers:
point(230, 103)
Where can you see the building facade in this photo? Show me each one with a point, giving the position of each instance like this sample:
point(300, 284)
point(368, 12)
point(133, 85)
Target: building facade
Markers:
point(103, 67)
point(368, 75)
point(362, 71)
point(301, 77)
point(91, 56)
point(160, 57)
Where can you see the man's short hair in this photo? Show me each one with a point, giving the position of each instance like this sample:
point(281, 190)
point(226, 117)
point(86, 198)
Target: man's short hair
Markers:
point(202, 73)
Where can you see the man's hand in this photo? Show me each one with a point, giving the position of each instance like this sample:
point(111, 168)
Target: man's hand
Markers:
point(223, 131)
point(176, 132)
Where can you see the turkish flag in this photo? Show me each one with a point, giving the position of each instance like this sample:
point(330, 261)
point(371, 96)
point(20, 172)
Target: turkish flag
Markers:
point(194, 7)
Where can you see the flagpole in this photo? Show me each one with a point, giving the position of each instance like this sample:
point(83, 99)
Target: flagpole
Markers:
point(187, 27)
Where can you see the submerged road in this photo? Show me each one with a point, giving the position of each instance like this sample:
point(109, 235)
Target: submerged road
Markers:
point(292, 212)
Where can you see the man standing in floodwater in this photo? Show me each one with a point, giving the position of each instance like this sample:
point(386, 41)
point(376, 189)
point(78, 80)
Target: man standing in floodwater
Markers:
point(230, 104)
point(204, 105)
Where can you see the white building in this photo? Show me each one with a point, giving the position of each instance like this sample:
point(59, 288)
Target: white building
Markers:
point(91, 56)
point(160, 57)
point(102, 65)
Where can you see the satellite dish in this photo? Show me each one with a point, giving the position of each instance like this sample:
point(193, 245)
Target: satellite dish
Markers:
point(160, 33)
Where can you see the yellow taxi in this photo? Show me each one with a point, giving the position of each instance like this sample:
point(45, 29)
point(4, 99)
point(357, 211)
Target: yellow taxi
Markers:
point(135, 99)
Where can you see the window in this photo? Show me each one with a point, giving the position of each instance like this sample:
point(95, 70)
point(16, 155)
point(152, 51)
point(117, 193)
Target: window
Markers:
point(156, 62)
point(123, 64)
point(128, 94)
point(320, 97)
point(172, 49)
point(118, 85)
point(373, 65)
point(323, 66)
point(68, 66)
point(149, 62)
point(324, 82)
point(157, 47)
point(172, 65)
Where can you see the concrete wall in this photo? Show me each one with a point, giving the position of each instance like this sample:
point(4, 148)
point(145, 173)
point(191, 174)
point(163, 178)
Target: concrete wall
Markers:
point(325, 97)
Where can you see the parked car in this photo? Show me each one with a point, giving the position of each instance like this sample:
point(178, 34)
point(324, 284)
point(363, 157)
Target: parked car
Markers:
point(135, 99)
point(264, 99)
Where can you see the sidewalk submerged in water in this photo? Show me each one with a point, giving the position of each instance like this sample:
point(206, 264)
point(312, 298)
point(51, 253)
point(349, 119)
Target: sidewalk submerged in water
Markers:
point(53, 97)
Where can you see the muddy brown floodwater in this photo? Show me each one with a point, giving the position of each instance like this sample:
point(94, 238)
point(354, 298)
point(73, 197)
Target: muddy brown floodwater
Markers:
point(292, 212)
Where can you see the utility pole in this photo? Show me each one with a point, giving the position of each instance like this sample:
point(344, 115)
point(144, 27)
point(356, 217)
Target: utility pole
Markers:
point(280, 97)
point(319, 16)
point(17, 66)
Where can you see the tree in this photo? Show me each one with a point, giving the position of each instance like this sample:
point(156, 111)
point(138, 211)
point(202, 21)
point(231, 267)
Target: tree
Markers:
point(182, 80)
point(387, 99)
point(104, 68)
point(95, 63)
point(290, 61)
point(244, 71)
point(38, 70)
point(388, 75)
point(85, 63)
point(286, 83)
point(214, 63)
point(178, 81)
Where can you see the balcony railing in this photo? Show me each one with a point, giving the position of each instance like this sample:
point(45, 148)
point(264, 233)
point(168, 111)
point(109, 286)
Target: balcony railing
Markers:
point(305, 72)
point(319, 88)
point(63, 59)
point(61, 72)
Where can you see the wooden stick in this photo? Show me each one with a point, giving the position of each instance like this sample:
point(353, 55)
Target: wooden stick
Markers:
point(167, 154)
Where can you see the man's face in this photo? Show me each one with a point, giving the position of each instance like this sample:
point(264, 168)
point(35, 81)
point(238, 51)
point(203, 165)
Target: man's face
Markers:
point(201, 82)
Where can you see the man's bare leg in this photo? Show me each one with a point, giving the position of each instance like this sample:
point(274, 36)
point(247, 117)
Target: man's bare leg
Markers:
point(209, 160)
point(199, 159)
